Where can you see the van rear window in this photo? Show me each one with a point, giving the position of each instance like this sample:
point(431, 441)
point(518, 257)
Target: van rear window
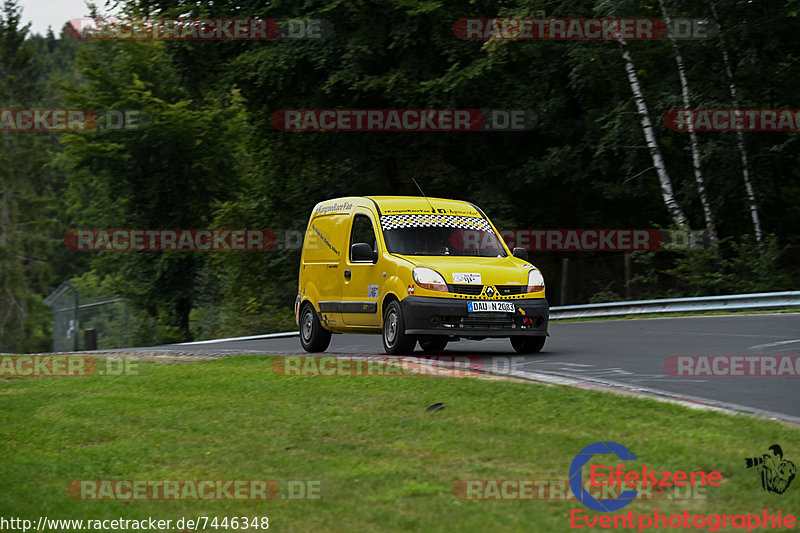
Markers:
point(432, 234)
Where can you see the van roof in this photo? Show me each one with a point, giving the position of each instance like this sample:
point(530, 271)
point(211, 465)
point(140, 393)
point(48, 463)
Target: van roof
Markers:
point(395, 205)
point(419, 204)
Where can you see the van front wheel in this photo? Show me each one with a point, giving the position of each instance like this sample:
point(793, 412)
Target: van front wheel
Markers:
point(313, 336)
point(395, 340)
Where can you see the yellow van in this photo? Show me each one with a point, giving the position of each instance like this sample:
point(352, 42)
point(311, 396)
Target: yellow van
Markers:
point(415, 269)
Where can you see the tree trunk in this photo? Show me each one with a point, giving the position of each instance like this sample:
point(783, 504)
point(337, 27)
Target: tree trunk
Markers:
point(647, 127)
point(708, 215)
point(748, 186)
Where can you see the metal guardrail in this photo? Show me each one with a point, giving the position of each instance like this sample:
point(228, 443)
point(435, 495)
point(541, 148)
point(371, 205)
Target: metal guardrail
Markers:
point(764, 300)
point(246, 338)
point(731, 302)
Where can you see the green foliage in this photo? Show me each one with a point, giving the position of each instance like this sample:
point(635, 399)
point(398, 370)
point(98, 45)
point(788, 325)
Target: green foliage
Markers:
point(605, 295)
point(28, 206)
point(211, 158)
point(240, 318)
point(739, 269)
point(26, 324)
point(92, 284)
point(168, 175)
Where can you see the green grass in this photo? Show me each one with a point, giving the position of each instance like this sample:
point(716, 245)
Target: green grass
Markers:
point(384, 463)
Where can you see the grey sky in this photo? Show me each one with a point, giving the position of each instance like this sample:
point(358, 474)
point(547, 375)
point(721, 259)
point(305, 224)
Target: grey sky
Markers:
point(54, 13)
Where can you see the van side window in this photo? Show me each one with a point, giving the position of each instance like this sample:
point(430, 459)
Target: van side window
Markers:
point(362, 232)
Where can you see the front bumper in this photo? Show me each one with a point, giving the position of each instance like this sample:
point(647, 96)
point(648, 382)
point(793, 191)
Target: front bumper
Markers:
point(425, 315)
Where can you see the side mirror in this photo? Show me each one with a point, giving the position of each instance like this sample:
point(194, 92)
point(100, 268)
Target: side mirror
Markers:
point(522, 253)
point(362, 251)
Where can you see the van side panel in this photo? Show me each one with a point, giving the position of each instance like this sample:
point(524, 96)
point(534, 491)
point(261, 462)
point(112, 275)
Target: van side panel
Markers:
point(324, 249)
point(322, 241)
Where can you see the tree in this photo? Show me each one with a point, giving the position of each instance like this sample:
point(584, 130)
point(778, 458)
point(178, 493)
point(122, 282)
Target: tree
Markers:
point(25, 197)
point(751, 197)
point(167, 175)
point(702, 193)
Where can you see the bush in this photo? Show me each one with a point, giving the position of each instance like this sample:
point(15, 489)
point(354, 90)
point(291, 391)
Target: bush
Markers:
point(737, 268)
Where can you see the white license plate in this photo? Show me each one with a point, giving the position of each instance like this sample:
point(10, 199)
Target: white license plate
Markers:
point(491, 307)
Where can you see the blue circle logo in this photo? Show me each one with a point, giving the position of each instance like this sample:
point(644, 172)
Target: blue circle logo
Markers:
point(576, 477)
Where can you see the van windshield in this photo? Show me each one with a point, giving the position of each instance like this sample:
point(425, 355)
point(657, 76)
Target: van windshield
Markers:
point(440, 235)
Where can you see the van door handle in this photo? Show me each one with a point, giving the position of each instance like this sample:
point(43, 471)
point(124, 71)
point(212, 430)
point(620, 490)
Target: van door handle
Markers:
point(347, 274)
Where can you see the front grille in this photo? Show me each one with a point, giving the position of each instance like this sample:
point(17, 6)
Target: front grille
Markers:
point(485, 321)
point(465, 289)
point(507, 290)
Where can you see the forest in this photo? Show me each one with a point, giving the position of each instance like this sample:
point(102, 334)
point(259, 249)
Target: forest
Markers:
point(603, 151)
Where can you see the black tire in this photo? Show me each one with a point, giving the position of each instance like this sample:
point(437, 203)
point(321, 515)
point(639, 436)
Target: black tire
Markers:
point(433, 344)
point(528, 344)
point(395, 340)
point(313, 336)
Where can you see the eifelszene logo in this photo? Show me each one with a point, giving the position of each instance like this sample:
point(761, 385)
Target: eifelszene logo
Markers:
point(608, 476)
point(576, 477)
point(776, 472)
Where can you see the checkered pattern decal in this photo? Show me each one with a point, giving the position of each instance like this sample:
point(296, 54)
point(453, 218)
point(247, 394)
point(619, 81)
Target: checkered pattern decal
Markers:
point(389, 222)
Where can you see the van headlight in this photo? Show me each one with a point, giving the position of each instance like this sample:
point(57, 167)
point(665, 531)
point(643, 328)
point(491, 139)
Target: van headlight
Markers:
point(535, 281)
point(428, 278)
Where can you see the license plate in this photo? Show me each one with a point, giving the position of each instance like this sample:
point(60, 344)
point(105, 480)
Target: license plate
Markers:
point(491, 307)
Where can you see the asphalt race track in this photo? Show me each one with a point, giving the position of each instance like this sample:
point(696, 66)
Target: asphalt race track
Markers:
point(616, 353)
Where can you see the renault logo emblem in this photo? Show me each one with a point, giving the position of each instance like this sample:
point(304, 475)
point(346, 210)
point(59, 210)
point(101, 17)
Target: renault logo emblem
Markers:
point(489, 291)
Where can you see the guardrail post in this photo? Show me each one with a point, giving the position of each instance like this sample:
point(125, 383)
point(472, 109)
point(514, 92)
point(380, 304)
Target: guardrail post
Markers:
point(127, 324)
point(90, 339)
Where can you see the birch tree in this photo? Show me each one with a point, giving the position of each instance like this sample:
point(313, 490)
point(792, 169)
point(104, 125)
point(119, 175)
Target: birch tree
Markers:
point(664, 181)
point(748, 186)
point(708, 215)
